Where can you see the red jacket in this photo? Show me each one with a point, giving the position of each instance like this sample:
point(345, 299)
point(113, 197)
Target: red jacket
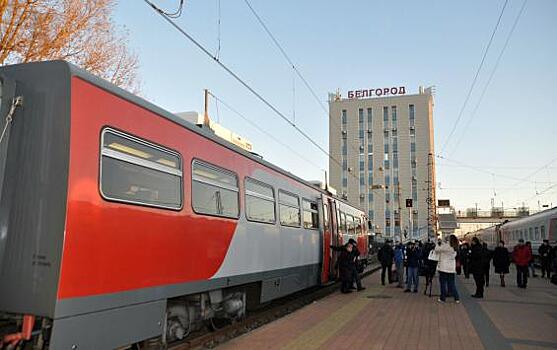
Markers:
point(522, 255)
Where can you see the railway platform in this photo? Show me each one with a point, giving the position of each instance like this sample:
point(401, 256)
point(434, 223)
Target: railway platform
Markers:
point(383, 317)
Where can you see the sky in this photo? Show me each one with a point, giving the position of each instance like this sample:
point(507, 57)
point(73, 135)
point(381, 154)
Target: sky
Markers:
point(505, 153)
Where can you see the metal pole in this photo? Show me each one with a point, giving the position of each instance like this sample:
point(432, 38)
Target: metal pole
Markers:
point(206, 114)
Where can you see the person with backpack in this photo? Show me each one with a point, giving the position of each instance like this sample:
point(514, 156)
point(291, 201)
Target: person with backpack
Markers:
point(399, 257)
point(385, 256)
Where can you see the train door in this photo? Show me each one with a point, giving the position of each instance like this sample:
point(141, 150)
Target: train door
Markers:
point(335, 241)
point(325, 238)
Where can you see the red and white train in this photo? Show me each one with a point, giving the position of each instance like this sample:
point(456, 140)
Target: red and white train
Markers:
point(121, 222)
point(534, 228)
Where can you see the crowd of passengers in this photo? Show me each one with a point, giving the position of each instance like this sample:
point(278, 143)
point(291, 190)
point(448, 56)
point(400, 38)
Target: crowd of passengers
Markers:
point(448, 257)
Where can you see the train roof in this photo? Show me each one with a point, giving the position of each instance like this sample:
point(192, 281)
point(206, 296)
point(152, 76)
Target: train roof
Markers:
point(73, 70)
point(521, 221)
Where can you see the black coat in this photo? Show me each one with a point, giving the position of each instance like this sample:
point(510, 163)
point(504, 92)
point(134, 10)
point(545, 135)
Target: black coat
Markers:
point(386, 255)
point(545, 251)
point(477, 259)
point(501, 260)
point(345, 265)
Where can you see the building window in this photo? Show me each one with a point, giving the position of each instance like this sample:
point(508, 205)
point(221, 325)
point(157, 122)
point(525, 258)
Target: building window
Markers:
point(411, 115)
point(386, 116)
point(362, 178)
point(370, 148)
point(289, 209)
point(370, 197)
point(344, 182)
point(344, 121)
point(387, 197)
point(370, 179)
point(344, 165)
point(393, 115)
point(395, 159)
point(413, 147)
point(370, 214)
point(386, 163)
point(370, 162)
point(260, 201)
point(139, 172)
point(214, 190)
point(311, 216)
point(387, 180)
point(361, 116)
point(369, 118)
point(386, 147)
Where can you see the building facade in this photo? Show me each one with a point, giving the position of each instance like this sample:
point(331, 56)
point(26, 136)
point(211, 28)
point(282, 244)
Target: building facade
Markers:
point(381, 152)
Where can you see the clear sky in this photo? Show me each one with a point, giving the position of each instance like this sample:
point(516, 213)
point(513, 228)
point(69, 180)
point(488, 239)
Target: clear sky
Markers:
point(504, 154)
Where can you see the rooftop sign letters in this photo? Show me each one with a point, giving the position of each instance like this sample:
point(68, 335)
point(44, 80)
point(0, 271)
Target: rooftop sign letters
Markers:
point(401, 90)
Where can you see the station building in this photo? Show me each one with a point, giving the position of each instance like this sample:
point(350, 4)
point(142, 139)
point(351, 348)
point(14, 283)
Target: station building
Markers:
point(381, 148)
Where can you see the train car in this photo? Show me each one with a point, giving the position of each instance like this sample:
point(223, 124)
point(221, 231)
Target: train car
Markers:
point(121, 222)
point(534, 228)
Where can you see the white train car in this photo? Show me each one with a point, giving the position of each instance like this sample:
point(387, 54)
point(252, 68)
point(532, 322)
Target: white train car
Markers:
point(534, 228)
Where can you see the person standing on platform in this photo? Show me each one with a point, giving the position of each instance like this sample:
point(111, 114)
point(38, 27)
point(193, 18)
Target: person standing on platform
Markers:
point(521, 257)
point(354, 266)
point(545, 256)
point(501, 261)
point(465, 259)
point(385, 256)
point(399, 263)
point(477, 267)
point(531, 267)
point(413, 256)
point(345, 269)
point(488, 255)
point(447, 268)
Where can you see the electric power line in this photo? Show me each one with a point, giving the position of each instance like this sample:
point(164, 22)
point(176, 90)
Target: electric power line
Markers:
point(242, 82)
point(475, 78)
point(482, 170)
point(257, 127)
point(490, 76)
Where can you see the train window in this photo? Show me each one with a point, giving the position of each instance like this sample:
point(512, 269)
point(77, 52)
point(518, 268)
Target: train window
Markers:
point(350, 225)
point(214, 190)
point(135, 171)
point(537, 233)
point(342, 223)
point(260, 202)
point(542, 232)
point(530, 234)
point(311, 216)
point(289, 209)
point(358, 225)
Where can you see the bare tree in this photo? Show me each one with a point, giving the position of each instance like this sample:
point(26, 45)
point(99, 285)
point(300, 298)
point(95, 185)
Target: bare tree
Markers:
point(79, 31)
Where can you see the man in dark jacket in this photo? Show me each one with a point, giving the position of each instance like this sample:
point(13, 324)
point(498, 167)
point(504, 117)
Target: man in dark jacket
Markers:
point(477, 258)
point(354, 265)
point(345, 270)
point(545, 256)
point(385, 256)
point(488, 255)
point(464, 256)
point(501, 261)
point(413, 256)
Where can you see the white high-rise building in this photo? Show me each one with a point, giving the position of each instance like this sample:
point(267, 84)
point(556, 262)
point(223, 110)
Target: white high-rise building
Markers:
point(382, 154)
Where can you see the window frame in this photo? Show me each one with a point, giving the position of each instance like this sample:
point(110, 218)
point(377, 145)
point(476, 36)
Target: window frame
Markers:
point(316, 211)
point(291, 206)
point(120, 156)
point(260, 196)
point(216, 184)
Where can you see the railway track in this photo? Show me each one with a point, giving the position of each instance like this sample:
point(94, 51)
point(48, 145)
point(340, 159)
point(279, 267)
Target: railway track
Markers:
point(266, 314)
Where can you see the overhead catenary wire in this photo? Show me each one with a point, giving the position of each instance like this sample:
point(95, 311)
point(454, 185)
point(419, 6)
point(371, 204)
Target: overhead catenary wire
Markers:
point(268, 134)
point(475, 78)
point(490, 77)
point(242, 82)
point(297, 71)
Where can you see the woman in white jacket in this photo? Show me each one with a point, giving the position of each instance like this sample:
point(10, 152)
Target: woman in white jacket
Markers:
point(447, 268)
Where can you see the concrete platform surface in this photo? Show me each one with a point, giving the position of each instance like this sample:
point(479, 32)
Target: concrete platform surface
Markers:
point(383, 317)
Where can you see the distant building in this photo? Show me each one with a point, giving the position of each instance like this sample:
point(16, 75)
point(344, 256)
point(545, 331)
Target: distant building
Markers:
point(382, 154)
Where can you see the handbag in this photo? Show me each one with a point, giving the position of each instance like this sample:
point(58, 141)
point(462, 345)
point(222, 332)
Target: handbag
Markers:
point(433, 255)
